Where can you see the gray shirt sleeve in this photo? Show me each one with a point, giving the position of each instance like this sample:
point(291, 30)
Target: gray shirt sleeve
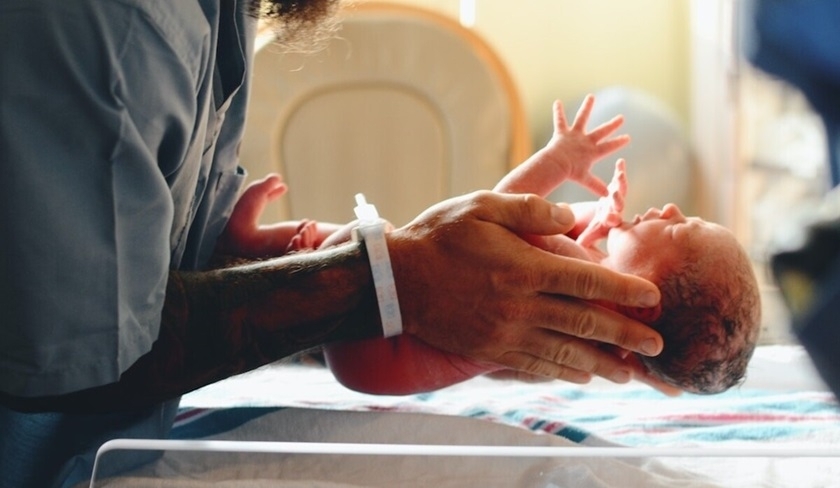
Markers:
point(98, 103)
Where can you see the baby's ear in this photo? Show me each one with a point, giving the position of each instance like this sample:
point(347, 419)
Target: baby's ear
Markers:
point(645, 315)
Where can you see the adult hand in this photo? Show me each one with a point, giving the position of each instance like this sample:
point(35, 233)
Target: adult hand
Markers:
point(639, 373)
point(469, 284)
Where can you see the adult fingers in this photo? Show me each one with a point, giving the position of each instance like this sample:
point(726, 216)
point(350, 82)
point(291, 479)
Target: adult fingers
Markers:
point(558, 275)
point(524, 213)
point(572, 357)
point(563, 276)
point(589, 321)
point(512, 374)
point(525, 363)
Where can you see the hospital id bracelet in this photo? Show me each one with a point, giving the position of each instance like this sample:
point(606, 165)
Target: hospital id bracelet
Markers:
point(371, 231)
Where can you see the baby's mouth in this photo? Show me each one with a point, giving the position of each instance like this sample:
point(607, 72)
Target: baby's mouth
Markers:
point(626, 225)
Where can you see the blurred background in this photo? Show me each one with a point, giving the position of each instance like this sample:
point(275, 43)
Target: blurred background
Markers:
point(758, 151)
point(710, 132)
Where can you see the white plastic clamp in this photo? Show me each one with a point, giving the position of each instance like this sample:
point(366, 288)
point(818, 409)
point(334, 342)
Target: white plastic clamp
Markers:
point(371, 230)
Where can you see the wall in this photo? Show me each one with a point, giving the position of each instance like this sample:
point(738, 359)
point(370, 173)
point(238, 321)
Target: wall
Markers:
point(567, 48)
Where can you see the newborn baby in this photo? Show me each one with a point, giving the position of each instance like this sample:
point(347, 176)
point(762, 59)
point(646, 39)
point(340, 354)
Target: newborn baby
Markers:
point(709, 315)
point(710, 310)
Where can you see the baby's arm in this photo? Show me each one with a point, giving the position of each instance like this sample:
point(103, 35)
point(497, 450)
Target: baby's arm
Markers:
point(570, 154)
point(608, 211)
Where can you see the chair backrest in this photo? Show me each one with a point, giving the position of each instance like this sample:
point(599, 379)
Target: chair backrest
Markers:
point(404, 105)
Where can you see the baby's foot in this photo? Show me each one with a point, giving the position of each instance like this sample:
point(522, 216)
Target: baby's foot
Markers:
point(306, 236)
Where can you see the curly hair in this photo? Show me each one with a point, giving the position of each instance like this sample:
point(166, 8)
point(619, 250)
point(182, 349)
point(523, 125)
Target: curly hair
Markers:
point(710, 322)
point(299, 25)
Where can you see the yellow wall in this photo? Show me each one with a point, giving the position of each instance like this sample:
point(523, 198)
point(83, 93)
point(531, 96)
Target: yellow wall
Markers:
point(567, 48)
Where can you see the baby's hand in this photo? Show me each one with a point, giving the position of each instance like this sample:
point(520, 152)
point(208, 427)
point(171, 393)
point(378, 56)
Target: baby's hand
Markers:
point(577, 150)
point(608, 213)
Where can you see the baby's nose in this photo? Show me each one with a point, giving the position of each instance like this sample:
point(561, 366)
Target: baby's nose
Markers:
point(670, 211)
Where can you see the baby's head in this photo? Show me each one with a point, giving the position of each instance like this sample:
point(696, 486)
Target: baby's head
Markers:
point(711, 308)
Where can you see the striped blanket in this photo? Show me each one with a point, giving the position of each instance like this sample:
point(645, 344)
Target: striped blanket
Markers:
point(782, 404)
point(767, 407)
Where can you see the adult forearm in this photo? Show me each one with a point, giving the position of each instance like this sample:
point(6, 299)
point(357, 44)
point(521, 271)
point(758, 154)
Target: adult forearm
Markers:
point(228, 321)
point(261, 312)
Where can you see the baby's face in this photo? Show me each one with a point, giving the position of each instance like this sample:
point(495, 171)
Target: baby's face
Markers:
point(652, 244)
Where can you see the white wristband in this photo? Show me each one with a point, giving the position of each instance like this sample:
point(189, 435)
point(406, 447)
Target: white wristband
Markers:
point(371, 230)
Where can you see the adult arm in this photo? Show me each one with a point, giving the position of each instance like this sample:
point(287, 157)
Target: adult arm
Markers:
point(219, 323)
point(87, 198)
point(503, 302)
point(96, 159)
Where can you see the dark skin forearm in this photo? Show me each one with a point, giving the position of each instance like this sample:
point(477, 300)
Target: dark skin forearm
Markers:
point(228, 321)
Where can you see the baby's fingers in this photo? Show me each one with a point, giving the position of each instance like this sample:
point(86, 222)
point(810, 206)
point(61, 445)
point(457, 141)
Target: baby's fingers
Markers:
point(604, 130)
point(560, 123)
point(594, 184)
point(591, 235)
point(582, 117)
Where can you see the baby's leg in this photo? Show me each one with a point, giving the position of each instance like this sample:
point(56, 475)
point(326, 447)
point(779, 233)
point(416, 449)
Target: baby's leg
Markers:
point(244, 220)
point(400, 365)
point(244, 236)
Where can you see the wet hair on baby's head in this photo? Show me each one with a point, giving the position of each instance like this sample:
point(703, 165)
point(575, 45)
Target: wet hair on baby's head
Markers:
point(709, 323)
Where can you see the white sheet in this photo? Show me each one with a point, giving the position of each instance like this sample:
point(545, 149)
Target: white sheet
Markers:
point(201, 469)
point(773, 368)
point(319, 410)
